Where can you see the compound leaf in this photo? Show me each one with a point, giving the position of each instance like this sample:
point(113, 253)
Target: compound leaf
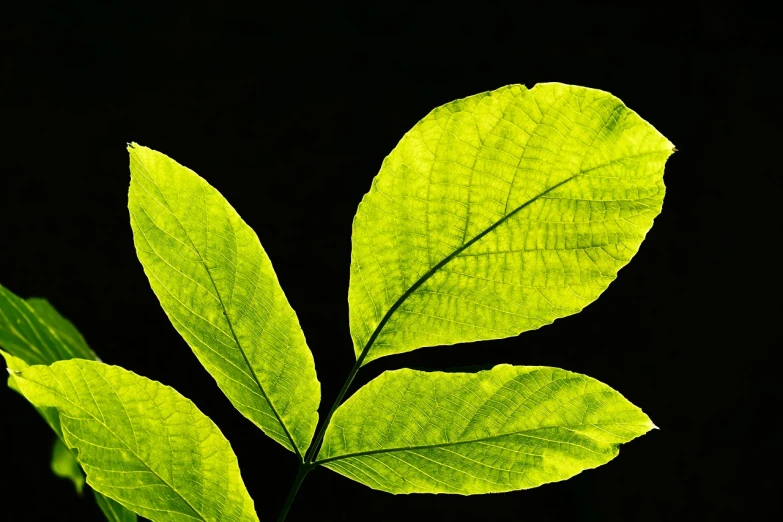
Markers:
point(498, 430)
point(499, 213)
point(217, 286)
point(141, 443)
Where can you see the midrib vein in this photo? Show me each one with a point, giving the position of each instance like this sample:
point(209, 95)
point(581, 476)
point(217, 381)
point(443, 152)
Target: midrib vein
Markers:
point(457, 252)
point(225, 314)
point(446, 260)
point(247, 361)
point(470, 441)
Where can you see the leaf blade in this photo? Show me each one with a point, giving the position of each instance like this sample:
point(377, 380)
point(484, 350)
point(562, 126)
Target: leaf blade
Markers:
point(113, 511)
point(503, 429)
point(65, 330)
point(500, 213)
point(217, 285)
point(131, 457)
point(36, 333)
point(67, 342)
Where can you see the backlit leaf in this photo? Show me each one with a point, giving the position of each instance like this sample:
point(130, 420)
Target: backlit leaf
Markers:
point(499, 430)
point(499, 213)
point(48, 333)
point(141, 443)
point(218, 288)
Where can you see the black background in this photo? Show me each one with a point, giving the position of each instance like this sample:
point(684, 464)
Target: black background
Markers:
point(289, 111)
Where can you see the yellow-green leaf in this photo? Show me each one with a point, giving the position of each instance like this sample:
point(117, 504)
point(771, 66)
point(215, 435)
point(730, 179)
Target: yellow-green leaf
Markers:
point(113, 511)
point(217, 286)
point(509, 428)
point(32, 328)
point(13, 364)
point(141, 443)
point(64, 465)
point(499, 213)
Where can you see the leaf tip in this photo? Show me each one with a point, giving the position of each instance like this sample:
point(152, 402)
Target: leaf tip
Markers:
point(13, 372)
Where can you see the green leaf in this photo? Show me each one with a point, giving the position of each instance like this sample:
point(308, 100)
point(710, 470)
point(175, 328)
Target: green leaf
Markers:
point(64, 465)
point(15, 365)
point(68, 342)
point(218, 288)
point(500, 213)
point(36, 333)
point(113, 511)
point(65, 330)
point(509, 428)
point(141, 443)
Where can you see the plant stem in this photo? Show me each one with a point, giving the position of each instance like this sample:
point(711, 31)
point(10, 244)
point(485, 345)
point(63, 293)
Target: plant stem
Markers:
point(305, 467)
point(303, 471)
point(310, 455)
point(308, 465)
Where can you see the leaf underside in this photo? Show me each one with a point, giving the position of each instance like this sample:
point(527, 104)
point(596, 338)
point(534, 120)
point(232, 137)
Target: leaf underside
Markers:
point(141, 443)
point(499, 213)
point(218, 288)
point(504, 429)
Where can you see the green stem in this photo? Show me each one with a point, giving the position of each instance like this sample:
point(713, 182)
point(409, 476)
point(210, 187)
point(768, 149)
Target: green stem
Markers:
point(305, 468)
point(310, 455)
point(307, 465)
point(303, 471)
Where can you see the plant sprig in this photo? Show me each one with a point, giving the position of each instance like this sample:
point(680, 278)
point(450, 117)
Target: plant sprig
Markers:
point(494, 215)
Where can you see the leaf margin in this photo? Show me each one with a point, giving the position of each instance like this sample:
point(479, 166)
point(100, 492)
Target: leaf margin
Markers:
point(299, 445)
point(386, 383)
point(364, 353)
